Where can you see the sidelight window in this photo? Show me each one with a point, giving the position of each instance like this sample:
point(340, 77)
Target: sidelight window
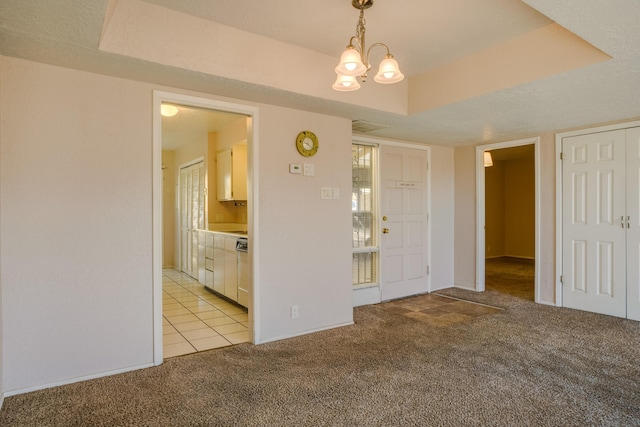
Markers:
point(363, 207)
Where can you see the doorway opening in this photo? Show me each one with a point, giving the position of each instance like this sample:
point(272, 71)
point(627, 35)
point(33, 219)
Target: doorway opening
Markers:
point(190, 215)
point(510, 221)
point(508, 218)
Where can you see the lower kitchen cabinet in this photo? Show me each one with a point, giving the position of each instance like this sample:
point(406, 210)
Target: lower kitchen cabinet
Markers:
point(230, 268)
point(218, 265)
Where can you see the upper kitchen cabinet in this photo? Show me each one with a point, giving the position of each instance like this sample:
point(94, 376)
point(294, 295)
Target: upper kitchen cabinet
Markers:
point(232, 173)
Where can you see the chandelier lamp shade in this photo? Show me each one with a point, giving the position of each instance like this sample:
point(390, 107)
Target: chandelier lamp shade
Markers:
point(354, 61)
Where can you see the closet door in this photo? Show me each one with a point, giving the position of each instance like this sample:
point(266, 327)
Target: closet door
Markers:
point(594, 223)
point(633, 232)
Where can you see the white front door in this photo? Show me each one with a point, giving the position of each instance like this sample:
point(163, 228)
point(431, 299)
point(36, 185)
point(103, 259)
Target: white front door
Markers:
point(404, 241)
point(594, 222)
point(192, 212)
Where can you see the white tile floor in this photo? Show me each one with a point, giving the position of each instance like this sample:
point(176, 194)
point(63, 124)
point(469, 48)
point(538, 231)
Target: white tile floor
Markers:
point(195, 319)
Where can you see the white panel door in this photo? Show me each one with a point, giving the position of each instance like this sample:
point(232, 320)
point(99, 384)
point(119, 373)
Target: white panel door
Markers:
point(403, 248)
point(594, 223)
point(633, 214)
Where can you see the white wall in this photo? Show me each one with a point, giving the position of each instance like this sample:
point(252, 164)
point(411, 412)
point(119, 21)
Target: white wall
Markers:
point(547, 259)
point(77, 224)
point(442, 215)
point(465, 217)
point(304, 241)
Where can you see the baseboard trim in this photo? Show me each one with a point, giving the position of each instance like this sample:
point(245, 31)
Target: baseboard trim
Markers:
point(466, 288)
point(308, 331)
point(74, 380)
point(1, 400)
point(435, 289)
point(549, 303)
point(519, 257)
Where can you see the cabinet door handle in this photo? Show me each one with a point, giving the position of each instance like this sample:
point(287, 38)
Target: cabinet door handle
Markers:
point(622, 221)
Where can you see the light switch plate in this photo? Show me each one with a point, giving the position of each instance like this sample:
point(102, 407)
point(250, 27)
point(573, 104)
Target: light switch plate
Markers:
point(309, 169)
point(295, 168)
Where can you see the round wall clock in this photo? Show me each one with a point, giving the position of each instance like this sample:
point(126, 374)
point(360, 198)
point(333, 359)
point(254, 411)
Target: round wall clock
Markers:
point(307, 143)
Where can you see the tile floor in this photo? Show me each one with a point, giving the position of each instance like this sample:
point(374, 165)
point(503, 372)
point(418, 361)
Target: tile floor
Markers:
point(195, 319)
point(438, 310)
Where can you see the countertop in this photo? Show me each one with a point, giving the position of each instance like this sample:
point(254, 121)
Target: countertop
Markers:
point(227, 233)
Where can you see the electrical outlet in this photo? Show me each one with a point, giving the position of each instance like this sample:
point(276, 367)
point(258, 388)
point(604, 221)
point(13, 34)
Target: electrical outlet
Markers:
point(294, 312)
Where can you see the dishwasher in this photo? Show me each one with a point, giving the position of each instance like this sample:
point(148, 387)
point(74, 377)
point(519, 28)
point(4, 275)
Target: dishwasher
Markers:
point(242, 248)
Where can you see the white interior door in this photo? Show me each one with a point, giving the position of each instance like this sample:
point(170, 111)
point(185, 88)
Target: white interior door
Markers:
point(192, 212)
point(633, 214)
point(594, 223)
point(404, 241)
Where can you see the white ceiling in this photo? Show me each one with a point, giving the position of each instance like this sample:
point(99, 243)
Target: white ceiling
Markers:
point(432, 32)
point(421, 34)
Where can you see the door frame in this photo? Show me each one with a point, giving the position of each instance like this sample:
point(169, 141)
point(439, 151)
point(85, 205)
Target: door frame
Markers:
point(371, 294)
point(559, 195)
point(252, 210)
point(480, 210)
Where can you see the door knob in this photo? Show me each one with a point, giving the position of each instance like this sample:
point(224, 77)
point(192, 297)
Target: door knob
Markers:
point(385, 231)
point(384, 218)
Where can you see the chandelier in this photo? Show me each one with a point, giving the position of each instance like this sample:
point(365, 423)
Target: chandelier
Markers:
point(354, 61)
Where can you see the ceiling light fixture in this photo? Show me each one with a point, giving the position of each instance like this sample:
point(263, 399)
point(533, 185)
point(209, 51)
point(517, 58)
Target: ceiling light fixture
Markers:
point(168, 110)
point(355, 59)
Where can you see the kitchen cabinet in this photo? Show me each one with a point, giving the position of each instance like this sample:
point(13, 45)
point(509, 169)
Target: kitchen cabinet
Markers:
point(230, 268)
point(218, 263)
point(205, 258)
point(231, 173)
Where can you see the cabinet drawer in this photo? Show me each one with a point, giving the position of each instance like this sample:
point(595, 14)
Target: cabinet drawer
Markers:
point(208, 252)
point(209, 240)
point(208, 264)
